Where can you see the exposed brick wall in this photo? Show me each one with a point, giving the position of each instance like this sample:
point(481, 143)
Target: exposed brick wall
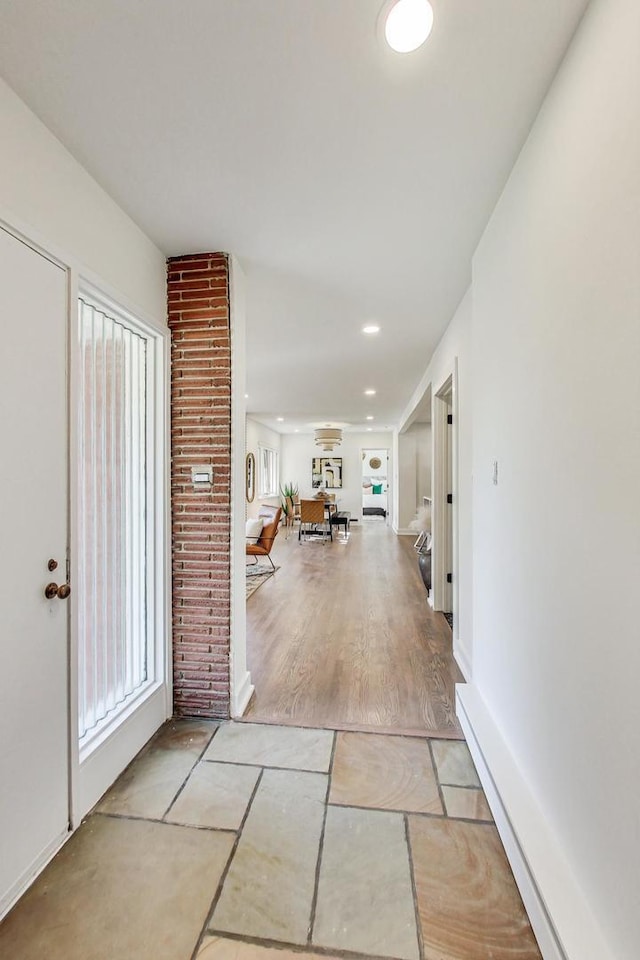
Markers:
point(198, 295)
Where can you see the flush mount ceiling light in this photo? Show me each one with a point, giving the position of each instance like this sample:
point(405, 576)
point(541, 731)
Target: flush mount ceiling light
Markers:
point(328, 437)
point(369, 418)
point(407, 24)
point(371, 328)
point(370, 392)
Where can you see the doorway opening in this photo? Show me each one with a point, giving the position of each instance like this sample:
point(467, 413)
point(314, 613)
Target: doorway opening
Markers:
point(340, 636)
point(375, 484)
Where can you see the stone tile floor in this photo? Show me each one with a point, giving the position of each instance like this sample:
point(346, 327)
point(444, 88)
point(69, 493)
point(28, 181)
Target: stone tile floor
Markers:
point(244, 841)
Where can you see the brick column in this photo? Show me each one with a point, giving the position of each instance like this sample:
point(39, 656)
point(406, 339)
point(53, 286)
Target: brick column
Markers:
point(198, 295)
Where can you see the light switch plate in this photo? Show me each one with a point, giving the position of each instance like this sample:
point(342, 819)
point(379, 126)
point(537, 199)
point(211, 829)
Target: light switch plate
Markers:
point(202, 476)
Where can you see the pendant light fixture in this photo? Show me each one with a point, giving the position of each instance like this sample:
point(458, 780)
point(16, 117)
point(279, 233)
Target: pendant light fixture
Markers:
point(328, 437)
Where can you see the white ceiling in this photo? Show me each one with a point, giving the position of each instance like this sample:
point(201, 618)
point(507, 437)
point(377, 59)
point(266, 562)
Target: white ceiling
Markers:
point(352, 183)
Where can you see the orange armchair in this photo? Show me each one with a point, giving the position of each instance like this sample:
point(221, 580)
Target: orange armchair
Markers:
point(271, 517)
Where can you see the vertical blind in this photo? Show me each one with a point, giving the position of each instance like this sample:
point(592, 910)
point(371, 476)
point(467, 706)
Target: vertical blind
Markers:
point(112, 629)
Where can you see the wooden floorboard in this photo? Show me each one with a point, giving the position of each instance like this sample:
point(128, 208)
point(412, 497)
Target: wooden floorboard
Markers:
point(342, 637)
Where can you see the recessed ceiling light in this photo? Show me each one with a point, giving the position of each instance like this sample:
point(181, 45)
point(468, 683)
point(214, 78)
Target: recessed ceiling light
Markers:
point(280, 419)
point(371, 328)
point(296, 430)
point(369, 429)
point(246, 396)
point(407, 24)
point(370, 392)
point(369, 418)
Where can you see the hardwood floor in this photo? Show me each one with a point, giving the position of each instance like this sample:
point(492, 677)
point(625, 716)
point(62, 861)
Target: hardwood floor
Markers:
point(342, 637)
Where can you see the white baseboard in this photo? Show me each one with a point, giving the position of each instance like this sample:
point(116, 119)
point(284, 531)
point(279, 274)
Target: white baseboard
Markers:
point(241, 696)
point(405, 532)
point(561, 918)
point(461, 657)
point(22, 884)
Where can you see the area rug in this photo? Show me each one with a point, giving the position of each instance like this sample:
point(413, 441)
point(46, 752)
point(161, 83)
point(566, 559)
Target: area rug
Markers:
point(256, 576)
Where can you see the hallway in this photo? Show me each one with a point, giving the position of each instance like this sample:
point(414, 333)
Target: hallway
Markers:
point(342, 637)
point(244, 841)
point(347, 822)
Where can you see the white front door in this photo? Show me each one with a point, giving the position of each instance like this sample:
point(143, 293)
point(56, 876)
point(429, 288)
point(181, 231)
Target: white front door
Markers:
point(34, 702)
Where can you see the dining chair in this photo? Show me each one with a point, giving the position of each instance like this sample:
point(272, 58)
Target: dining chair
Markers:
point(313, 519)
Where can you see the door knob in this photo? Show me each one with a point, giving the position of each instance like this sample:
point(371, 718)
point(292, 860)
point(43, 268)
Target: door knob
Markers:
point(53, 590)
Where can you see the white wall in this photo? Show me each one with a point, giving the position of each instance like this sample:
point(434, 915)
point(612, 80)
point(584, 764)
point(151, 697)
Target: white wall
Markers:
point(556, 351)
point(453, 355)
point(414, 480)
point(423, 460)
point(47, 193)
point(407, 459)
point(381, 472)
point(298, 450)
point(256, 434)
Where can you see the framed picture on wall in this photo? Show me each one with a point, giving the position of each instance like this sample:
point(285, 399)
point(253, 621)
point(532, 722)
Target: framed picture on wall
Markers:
point(326, 472)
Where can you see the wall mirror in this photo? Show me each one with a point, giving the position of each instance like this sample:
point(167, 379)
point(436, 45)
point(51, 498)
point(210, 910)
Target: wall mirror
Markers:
point(251, 477)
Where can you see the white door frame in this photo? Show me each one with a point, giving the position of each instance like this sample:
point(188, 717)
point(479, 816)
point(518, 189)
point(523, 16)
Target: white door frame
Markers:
point(445, 395)
point(94, 771)
point(241, 686)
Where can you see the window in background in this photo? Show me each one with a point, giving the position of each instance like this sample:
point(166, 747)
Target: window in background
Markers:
point(268, 472)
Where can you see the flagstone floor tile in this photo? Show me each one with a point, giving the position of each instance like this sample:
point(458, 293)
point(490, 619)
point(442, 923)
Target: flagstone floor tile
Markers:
point(365, 900)
point(215, 795)
point(149, 784)
point(187, 736)
point(120, 889)
point(294, 748)
point(466, 803)
point(268, 891)
point(454, 763)
point(218, 948)
point(468, 902)
point(390, 773)
point(401, 860)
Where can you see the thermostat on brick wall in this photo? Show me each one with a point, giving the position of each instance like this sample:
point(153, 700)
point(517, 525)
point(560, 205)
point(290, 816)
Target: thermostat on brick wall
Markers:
point(202, 476)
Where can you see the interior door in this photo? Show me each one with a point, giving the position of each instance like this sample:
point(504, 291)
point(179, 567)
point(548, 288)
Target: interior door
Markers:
point(34, 702)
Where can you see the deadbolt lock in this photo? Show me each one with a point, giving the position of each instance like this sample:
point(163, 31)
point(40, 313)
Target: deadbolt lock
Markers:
point(52, 564)
point(53, 590)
